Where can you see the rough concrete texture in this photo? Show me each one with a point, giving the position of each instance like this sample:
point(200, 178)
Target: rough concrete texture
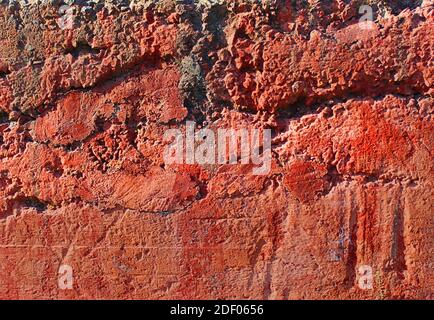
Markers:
point(83, 111)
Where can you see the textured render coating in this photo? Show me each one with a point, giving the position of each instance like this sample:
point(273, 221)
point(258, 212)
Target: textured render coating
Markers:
point(83, 111)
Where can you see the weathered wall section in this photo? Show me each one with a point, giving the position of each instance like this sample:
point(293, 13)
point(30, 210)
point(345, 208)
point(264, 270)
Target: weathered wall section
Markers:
point(87, 92)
